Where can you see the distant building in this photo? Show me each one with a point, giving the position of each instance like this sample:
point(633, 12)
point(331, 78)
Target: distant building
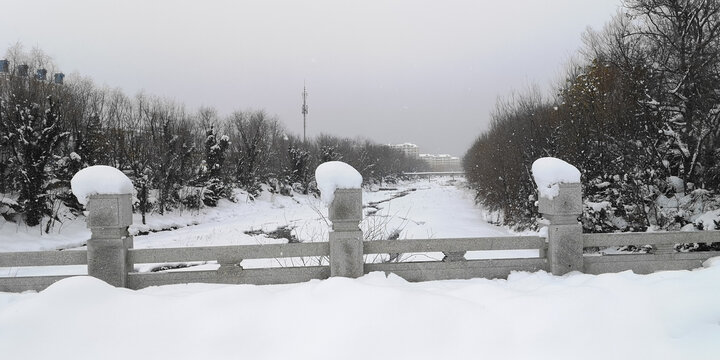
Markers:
point(58, 78)
point(438, 163)
point(442, 162)
point(410, 150)
point(41, 74)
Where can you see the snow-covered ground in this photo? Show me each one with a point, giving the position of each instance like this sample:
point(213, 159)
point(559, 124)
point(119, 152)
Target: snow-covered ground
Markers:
point(429, 209)
point(667, 315)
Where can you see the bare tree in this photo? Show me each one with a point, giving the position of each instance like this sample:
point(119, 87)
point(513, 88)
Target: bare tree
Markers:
point(682, 43)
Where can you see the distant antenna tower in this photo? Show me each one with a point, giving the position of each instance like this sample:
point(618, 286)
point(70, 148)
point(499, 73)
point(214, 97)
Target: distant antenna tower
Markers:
point(304, 112)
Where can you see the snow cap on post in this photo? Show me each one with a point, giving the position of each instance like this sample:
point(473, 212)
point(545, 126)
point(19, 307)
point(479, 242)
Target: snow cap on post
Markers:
point(548, 172)
point(334, 175)
point(99, 179)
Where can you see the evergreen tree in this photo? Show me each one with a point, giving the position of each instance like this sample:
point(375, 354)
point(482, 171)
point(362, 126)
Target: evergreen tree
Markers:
point(211, 175)
point(299, 166)
point(32, 136)
point(92, 145)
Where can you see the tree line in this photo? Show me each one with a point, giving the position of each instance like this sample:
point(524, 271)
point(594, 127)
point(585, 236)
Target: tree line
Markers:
point(638, 115)
point(175, 157)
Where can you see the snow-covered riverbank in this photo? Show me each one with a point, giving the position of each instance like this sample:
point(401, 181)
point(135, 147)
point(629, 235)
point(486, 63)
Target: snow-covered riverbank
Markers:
point(421, 209)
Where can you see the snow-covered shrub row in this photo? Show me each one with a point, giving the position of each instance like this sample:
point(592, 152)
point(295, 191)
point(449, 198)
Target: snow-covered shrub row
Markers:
point(174, 157)
point(639, 117)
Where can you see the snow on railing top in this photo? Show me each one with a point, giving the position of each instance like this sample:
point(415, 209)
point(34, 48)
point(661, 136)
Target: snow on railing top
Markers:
point(548, 172)
point(336, 175)
point(99, 179)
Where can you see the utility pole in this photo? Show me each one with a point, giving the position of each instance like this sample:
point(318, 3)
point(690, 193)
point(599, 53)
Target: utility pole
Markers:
point(304, 112)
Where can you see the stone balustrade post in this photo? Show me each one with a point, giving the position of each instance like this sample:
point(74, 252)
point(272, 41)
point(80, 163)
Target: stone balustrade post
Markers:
point(565, 243)
point(346, 238)
point(108, 220)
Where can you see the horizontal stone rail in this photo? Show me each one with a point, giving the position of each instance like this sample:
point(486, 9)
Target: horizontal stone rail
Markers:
point(662, 257)
point(654, 238)
point(43, 258)
point(220, 253)
point(29, 283)
point(454, 245)
point(454, 265)
point(37, 259)
point(467, 269)
point(267, 276)
point(645, 263)
point(229, 258)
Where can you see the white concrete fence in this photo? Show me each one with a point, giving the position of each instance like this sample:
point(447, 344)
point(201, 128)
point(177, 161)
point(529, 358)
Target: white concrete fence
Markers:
point(110, 255)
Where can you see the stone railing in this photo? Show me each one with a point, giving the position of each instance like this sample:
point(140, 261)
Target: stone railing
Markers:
point(107, 250)
point(110, 255)
point(566, 242)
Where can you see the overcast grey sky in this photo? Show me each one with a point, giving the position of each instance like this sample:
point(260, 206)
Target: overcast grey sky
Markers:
point(427, 72)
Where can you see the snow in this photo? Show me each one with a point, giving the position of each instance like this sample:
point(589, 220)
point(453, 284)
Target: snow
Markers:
point(677, 183)
point(707, 219)
point(598, 206)
point(602, 185)
point(8, 202)
point(673, 315)
point(712, 262)
point(99, 179)
point(336, 175)
point(548, 172)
